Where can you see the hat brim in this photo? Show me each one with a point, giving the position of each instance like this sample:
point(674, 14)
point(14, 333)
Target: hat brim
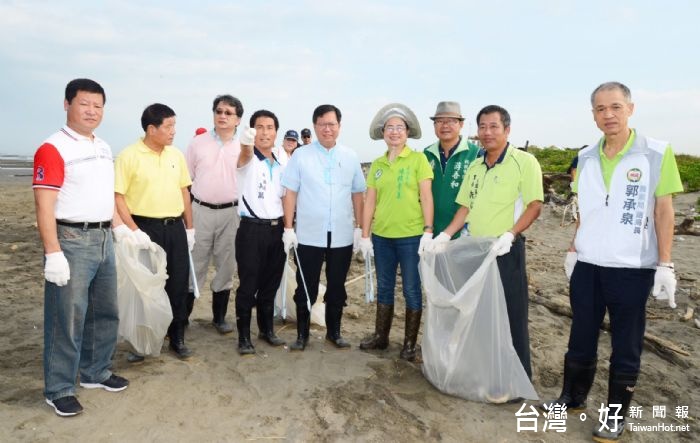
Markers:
point(457, 116)
point(376, 127)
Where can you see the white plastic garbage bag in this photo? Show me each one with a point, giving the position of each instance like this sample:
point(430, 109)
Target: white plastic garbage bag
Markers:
point(318, 310)
point(467, 347)
point(144, 308)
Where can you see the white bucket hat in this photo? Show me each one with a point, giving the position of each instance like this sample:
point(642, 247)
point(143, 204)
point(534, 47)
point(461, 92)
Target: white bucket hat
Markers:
point(376, 128)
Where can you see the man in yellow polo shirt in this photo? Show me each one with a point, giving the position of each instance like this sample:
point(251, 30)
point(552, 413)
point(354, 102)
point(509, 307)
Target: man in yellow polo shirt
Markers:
point(152, 198)
point(501, 195)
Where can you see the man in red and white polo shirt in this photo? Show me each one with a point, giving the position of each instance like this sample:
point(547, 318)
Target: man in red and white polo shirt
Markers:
point(74, 193)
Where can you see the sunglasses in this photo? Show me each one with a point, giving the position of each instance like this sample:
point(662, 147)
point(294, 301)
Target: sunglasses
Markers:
point(221, 111)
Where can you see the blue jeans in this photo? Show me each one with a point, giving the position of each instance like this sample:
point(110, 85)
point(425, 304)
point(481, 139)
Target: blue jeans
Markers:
point(390, 253)
point(82, 317)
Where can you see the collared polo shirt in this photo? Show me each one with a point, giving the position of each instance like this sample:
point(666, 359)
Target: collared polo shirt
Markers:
point(669, 179)
point(497, 196)
point(81, 169)
point(324, 180)
point(260, 187)
point(212, 166)
point(398, 211)
point(151, 182)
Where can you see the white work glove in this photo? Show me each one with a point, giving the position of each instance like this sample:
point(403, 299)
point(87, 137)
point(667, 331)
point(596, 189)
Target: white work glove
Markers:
point(503, 244)
point(289, 238)
point(356, 236)
point(366, 248)
point(122, 233)
point(190, 238)
point(141, 240)
point(569, 263)
point(247, 136)
point(665, 285)
point(439, 243)
point(56, 269)
point(426, 241)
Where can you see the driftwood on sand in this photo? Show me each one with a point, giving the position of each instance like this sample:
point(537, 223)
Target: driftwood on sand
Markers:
point(663, 348)
point(686, 227)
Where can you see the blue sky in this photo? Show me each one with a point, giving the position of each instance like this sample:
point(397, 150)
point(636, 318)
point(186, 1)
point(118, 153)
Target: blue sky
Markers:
point(539, 59)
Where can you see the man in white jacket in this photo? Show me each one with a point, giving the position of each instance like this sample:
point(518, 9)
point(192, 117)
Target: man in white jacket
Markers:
point(621, 250)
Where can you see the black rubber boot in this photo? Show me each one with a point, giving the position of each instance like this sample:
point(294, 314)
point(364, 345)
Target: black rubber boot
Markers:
point(382, 327)
point(578, 379)
point(303, 325)
point(177, 340)
point(245, 347)
point(411, 334)
point(620, 392)
point(333, 317)
point(219, 306)
point(266, 332)
point(189, 304)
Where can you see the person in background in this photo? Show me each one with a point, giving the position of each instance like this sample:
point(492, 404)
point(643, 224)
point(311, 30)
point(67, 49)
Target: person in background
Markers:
point(620, 253)
point(449, 158)
point(324, 185)
point(211, 159)
point(73, 185)
point(305, 136)
point(398, 211)
point(153, 199)
point(289, 144)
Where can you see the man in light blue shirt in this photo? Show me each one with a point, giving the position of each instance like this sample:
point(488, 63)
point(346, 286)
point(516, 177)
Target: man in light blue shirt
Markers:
point(324, 185)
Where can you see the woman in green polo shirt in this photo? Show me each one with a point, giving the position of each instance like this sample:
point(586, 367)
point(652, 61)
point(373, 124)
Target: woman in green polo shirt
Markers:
point(399, 211)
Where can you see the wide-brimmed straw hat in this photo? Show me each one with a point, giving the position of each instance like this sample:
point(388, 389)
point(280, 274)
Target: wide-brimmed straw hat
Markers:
point(376, 128)
point(448, 109)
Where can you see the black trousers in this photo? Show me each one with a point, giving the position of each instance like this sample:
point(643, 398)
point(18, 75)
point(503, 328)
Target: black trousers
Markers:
point(623, 292)
point(260, 258)
point(337, 266)
point(173, 239)
point(511, 266)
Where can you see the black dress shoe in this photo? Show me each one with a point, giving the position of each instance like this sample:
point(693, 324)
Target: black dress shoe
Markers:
point(338, 341)
point(245, 347)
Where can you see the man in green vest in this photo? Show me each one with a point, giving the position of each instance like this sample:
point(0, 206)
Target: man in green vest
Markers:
point(449, 157)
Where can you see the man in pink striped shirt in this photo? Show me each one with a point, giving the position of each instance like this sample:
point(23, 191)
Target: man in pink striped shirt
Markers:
point(211, 159)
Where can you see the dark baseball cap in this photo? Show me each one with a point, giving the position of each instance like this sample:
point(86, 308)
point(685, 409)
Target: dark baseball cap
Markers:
point(306, 132)
point(292, 134)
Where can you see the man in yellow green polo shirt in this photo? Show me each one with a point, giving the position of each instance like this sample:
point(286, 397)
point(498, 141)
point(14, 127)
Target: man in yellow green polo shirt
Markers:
point(501, 195)
point(151, 180)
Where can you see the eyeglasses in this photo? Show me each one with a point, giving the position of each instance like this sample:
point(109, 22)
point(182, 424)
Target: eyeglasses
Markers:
point(327, 125)
point(447, 121)
point(398, 129)
point(228, 113)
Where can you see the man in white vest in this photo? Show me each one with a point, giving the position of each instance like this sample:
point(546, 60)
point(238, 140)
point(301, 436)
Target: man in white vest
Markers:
point(621, 250)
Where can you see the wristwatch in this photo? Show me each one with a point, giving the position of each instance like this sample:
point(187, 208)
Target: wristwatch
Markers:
point(427, 227)
point(666, 264)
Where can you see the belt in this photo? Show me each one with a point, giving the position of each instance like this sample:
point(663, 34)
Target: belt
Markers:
point(262, 221)
point(215, 206)
point(85, 225)
point(164, 221)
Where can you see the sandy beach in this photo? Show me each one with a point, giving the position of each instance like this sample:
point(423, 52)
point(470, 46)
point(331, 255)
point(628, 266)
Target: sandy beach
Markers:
point(324, 394)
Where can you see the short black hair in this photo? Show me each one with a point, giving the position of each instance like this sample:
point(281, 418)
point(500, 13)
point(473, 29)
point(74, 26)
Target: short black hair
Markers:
point(264, 113)
point(324, 109)
point(490, 109)
point(155, 114)
point(231, 101)
point(84, 84)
